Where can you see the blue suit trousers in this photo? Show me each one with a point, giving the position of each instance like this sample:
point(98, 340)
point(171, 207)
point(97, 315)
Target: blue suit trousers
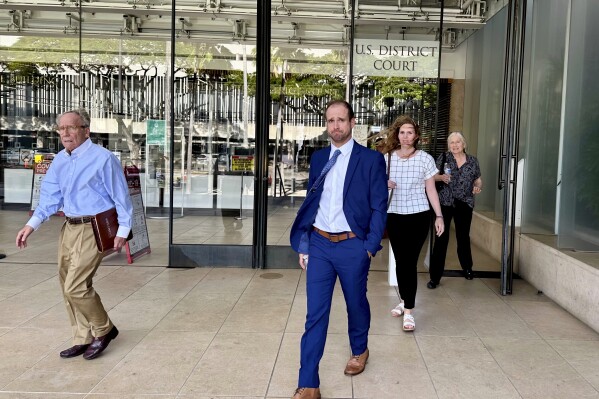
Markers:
point(349, 261)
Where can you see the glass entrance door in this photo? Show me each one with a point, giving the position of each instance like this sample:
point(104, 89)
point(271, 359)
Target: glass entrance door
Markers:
point(214, 145)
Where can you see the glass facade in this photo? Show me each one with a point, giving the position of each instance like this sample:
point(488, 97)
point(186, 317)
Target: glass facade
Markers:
point(541, 115)
point(556, 184)
point(578, 220)
point(484, 82)
point(200, 165)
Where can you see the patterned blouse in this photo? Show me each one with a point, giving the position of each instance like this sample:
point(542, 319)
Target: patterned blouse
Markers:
point(462, 180)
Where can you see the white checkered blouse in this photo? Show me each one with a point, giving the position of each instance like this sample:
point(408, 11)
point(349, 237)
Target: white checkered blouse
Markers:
point(410, 174)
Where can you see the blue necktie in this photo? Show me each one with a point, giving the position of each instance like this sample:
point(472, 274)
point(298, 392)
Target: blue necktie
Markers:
point(326, 169)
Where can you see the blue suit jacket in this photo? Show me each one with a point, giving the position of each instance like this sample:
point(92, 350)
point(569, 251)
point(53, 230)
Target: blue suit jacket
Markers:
point(364, 199)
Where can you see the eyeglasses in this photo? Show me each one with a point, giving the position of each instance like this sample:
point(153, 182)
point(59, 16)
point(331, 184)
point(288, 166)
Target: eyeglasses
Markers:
point(69, 128)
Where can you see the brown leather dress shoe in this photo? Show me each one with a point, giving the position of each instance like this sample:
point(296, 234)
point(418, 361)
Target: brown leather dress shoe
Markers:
point(307, 393)
point(99, 344)
point(356, 364)
point(74, 351)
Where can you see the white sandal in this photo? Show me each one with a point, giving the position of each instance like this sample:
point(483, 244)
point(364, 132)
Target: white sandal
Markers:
point(398, 310)
point(408, 322)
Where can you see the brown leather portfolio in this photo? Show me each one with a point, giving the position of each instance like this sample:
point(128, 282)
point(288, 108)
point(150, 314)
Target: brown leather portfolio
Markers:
point(106, 225)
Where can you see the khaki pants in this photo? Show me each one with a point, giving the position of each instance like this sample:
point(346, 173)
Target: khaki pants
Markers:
point(78, 260)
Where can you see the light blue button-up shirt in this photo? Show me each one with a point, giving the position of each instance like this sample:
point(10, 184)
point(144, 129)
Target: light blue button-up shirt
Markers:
point(88, 181)
point(330, 216)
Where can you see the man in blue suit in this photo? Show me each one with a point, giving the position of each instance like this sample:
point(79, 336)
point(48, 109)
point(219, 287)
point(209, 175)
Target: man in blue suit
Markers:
point(339, 227)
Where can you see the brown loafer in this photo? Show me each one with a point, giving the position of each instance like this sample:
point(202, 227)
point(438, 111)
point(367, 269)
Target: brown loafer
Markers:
point(307, 393)
point(99, 344)
point(356, 364)
point(73, 351)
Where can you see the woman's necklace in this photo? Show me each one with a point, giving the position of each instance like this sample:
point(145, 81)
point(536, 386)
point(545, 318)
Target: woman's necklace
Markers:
point(406, 156)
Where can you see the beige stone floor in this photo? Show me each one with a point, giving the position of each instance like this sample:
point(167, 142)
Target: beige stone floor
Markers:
point(234, 333)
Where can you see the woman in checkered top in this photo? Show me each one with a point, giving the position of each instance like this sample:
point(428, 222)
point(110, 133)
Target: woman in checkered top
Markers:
point(411, 177)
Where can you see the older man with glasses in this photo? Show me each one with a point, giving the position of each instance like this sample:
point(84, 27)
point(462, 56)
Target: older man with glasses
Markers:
point(84, 179)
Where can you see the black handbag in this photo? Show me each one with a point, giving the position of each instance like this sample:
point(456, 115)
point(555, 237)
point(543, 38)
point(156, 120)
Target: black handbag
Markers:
point(440, 184)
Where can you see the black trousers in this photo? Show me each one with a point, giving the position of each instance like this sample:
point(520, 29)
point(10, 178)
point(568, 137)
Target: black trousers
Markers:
point(462, 214)
point(407, 234)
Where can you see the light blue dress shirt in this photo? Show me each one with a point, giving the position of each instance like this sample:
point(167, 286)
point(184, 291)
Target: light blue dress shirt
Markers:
point(88, 181)
point(330, 216)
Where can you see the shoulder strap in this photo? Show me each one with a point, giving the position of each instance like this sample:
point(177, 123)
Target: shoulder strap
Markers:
point(443, 160)
point(388, 177)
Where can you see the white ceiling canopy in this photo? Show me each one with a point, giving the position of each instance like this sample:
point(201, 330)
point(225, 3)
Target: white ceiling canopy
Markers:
point(307, 23)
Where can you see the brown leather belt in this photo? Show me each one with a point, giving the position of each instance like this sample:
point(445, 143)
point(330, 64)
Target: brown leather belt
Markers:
point(335, 237)
point(79, 220)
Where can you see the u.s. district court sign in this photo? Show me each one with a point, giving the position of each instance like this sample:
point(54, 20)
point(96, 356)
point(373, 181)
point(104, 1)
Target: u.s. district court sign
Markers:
point(415, 59)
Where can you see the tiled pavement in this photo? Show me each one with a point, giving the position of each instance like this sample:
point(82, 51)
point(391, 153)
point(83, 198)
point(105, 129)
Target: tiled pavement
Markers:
point(234, 333)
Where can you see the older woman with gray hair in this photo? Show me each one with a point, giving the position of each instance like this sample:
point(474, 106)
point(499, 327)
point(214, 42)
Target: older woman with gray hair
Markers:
point(461, 182)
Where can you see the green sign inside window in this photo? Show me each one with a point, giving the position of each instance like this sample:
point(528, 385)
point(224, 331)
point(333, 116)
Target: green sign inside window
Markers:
point(156, 132)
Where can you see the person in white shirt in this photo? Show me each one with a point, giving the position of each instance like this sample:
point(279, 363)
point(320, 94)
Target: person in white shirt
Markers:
point(411, 177)
point(337, 230)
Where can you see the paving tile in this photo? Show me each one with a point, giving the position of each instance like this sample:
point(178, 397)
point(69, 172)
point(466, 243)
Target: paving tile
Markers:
point(127, 396)
point(552, 322)
point(54, 374)
point(235, 333)
point(223, 397)
point(22, 348)
point(378, 284)
point(235, 364)
point(150, 304)
point(583, 356)
point(259, 314)
point(44, 395)
point(55, 318)
point(537, 370)
point(231, 280)
point(395, 369)
point(495, 319)
point(122, 283)
point(29, 303)
point(521, 290)
point(462, 367)
point(465, 291)
point(199, 311)
point(7, 268)
point(275, 282)
point(159, 364)
point(285, 374)
point(441, 317)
